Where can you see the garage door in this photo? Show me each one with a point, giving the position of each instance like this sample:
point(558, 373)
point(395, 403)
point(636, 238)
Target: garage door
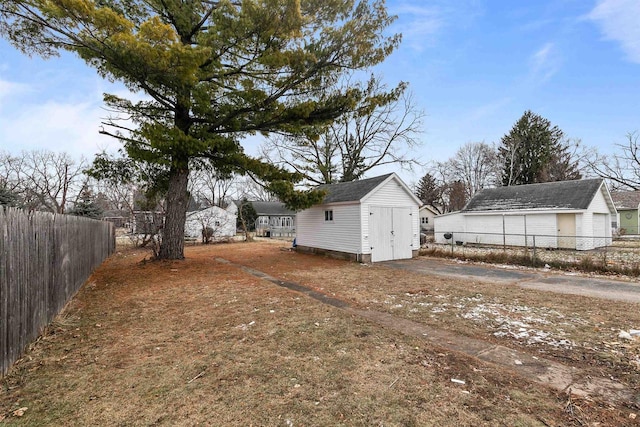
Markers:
point(600, 222)
point(390, 233)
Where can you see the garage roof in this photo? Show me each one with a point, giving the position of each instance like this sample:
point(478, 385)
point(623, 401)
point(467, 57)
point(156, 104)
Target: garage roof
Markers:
point(550, 195)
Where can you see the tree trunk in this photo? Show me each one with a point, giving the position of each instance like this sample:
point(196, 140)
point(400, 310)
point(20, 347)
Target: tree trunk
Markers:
point(172, 246)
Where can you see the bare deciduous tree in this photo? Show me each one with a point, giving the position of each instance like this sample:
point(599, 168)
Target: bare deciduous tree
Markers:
point(44, 180)
point(381, 129)
point(475, 165)
point(621, 169)
point(211, 187)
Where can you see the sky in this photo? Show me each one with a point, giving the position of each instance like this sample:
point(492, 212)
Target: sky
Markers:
point(473, 67)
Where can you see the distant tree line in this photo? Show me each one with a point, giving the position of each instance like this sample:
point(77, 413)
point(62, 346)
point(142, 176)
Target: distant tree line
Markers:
point(43, 180)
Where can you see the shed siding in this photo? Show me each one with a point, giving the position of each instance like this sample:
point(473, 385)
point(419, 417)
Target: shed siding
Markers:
point(341, 234)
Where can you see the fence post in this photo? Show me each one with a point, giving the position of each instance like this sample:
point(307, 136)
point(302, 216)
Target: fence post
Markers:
point(526, 239)
point(534, 250)
point(504, 236)
point(452, 241)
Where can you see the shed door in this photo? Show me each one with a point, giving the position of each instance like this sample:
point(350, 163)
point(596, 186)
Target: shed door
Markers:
point(390, 233)
point(567, 231)
point(402, 233)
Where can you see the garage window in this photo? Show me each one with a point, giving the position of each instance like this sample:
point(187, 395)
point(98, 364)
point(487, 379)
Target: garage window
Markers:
point(328, 215)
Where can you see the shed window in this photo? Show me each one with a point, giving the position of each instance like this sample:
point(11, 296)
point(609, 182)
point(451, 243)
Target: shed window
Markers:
point(425, 220)
point(328, 215)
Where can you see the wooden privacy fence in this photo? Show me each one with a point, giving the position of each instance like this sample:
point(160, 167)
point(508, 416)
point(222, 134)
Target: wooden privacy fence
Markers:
point(44, 260)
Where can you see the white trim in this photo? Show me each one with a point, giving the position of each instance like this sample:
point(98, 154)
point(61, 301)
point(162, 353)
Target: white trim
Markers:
point(399, 181)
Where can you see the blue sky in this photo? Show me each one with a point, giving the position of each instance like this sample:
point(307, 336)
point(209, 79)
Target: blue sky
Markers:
point(474, 66)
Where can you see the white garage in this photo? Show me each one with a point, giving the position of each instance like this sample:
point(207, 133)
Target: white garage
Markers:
point(369, 220)
point(567, 214)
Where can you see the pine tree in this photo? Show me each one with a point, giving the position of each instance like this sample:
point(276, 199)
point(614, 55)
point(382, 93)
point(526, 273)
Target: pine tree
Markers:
point(213, 72)
point(8, 198)
point(86, 206)
point(535, 151)
point(428, 190)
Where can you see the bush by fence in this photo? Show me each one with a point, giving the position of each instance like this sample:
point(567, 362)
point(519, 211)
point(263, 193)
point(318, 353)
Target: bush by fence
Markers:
point(44, 260)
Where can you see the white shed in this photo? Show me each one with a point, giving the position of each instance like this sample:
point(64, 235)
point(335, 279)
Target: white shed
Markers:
point(222, 222)
point(369, 220)
point(566, 214)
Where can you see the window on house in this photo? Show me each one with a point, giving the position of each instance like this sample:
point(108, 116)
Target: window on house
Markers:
point(425, 220)
point(328, 215)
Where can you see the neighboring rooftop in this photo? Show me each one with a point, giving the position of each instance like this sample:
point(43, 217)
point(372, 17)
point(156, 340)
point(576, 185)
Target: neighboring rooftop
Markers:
point(351, 191)
point(271, 209)
point(550, 195)
point(626, 199)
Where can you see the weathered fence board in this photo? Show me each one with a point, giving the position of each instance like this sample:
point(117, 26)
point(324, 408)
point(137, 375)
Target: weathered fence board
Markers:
point(44, 260)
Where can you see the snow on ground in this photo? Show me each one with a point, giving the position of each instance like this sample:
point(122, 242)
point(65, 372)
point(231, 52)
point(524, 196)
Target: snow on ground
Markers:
point(530, 325)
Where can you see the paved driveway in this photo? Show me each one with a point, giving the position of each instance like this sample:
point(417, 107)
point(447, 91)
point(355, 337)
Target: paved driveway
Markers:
point(565, 283)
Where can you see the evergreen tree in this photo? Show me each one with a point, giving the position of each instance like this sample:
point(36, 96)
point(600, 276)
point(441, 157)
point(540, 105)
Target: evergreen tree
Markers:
point(213, 72)
point(247, 217)
point(8, 198)
point(428, 190)
point(535, 151)
point(86, 206)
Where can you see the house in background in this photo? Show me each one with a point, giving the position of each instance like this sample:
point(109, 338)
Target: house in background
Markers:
point(369, 220)
point(147, 222)
point(626, 203)
point(218, 223)
point(427, 214)
point(567, 214)
point(274, 219)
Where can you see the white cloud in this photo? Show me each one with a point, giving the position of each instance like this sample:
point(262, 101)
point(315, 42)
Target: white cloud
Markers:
point(59, 127)
point(544, 63)
point(418, 24)
point(11, 89)
point(619, 21)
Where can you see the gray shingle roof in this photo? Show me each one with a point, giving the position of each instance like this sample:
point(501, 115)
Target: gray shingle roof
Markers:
point(350, 191)
point(271, 209)
point(551, 195)
point(626, 199)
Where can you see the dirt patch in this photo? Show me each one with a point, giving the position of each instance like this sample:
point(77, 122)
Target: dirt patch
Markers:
point(203, 342)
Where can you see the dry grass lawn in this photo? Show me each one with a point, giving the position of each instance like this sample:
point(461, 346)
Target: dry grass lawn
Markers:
point(200, 342)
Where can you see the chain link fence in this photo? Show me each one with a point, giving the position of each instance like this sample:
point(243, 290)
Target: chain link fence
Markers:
point(620, 254)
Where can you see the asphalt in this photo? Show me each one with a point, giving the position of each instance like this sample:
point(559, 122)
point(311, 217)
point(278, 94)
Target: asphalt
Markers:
point(540, 279)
